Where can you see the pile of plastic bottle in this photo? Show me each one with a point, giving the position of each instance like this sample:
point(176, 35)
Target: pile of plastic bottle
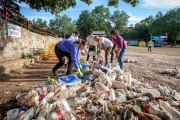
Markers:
point(105, 92)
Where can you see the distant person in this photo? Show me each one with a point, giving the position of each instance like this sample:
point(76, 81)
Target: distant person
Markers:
point(171, 44)
point(106, 46)
point(74, 36)
point(70, 49)
point(150, 45)
point(120, 43)
point(92, 44)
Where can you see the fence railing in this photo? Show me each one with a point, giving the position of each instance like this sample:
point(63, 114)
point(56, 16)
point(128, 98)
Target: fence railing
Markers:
point(39, 30)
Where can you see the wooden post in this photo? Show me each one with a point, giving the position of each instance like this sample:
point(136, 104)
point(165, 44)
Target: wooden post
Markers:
point(5, 13)
point(27, 25)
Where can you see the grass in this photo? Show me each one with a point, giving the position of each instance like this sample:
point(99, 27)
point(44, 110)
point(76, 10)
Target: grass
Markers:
point(166, 50)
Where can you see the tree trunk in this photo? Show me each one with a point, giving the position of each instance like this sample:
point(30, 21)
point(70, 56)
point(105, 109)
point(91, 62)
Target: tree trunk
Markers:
point(174, 42)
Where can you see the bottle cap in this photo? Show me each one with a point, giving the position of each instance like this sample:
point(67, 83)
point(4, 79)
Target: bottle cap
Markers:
point(112, 101)
point(42, 87)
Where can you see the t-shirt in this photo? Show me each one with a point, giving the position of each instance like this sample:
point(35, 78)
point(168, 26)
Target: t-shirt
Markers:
point(106, 41)
point(73, 37)
point(150, 43)
point(91, 41)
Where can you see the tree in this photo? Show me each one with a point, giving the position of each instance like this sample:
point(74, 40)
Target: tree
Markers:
point(143, 30)
point(131, 25)
point(39, 22)
point(86, 23)
point(62, 25)
point(12, 5)
point(120, 20)
point(101, 15)
point(57, 6)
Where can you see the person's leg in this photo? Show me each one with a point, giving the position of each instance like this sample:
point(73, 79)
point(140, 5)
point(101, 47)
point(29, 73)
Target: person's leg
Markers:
point(60, 56)
point(90, 49)
point(93, 49)
point(150, 48)
point(121, 55)
point(70, 64)
point(107, 54)
point(88, 54)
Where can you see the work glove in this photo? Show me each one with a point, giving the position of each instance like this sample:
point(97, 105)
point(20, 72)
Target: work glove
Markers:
point(111, 51)
point(117, 54)
point(95, 48)
point(99, 51)
point(81, 68)
point(87, 47)
point(80, 73)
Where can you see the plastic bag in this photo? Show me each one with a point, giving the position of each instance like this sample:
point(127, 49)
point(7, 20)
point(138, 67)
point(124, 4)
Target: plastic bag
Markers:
point(69, 80)
point(119, 85)
point(88, 77)
point(153, 92)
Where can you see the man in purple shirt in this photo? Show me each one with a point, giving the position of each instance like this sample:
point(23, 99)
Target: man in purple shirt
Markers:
point(120, 43)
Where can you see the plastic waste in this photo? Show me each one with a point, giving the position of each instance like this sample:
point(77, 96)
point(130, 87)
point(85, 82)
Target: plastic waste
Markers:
point(105, 109)
point(97, 72)
point(66, 110)
point(20, 96)
point(108, 65)
point(56, 115)
point(79, 101)
point(119, 85)
point(40, 118)
point(120, 99)
point(94, 109)
point(144, 98)
point(51, 88)
point(65, 94)
point(60, 87)
point(154, 93)
point(23, 109)
point(152, 109)
point(88, 77)
point(96, 64)
point(112, 96)
point(12, 114)
point(71, 80)
point(105, 95)
point(83, 65)
point(163, 90)
point(100, 87)
point(33, 102)
point(43, 91)
point(93, 53)
point(137, 108)
point(44, 113)
point(29, 114)
point(177, 96)
point(118, 70)
point(166, 107)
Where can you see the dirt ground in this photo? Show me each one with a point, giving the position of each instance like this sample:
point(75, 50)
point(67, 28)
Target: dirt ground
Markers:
point(148, 69)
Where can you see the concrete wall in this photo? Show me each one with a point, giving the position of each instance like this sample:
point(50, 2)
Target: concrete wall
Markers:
point(12, 48)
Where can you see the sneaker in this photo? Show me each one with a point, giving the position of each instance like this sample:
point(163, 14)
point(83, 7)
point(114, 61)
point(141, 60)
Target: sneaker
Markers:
point(54, 73)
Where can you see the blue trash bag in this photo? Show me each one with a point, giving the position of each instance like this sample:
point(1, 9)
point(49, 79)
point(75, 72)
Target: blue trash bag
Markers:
point(88, 77)
point(83, 65)
point(68, 79)
point(40, 85)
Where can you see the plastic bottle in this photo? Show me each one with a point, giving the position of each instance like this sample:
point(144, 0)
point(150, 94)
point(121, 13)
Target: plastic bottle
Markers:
point(51, 88)
point(31, 94)
point(154, 93)
point(144, 98)
point(56, 115)
point(40, 118)
point(105, 95)
point(97, 72)
point(12, 114)
point(100, 87)
point(112, 96)
point(29, 114)
point(33, 102)
point(43, 91)
point(121, 98)
point(48, 97)
point(23, 109)
point(118, 70)
point(166, 107)
point(78, 101)
point(152, 109)
point(44, 113)
point(177, 96)
point(119, 85)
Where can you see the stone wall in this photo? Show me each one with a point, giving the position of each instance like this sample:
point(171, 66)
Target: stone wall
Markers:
point(12, 48)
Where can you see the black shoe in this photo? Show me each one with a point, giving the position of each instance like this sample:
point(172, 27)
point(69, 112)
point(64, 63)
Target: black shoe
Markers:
point(54, 73)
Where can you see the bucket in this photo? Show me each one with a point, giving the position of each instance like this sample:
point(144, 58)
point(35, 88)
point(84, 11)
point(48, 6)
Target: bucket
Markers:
point(12, 114)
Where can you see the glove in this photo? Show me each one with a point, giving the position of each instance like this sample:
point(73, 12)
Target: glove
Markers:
point(117, 54)
point(81, 68)
point(87, 47)
point(99, 51)
point(95, 48)
point(111, 51)
point(80, 73)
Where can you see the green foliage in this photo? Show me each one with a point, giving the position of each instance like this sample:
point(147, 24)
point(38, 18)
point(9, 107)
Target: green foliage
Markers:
point(57, 6)
point(29, 55)
point(143, 30)
point(62, 25)
point(39, 22)
point(120, 20)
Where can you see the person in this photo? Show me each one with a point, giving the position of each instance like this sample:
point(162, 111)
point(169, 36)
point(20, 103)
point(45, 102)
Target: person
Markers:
point(106, 45)
point(112, 53)
point(74, 36)
point(92, 44)
point(70, 49)
point(150, 45)
point(120, 43)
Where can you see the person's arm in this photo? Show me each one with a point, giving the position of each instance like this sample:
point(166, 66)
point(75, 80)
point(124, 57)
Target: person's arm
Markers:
point(120, 42)
point(114, 45)
point(75, 59)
